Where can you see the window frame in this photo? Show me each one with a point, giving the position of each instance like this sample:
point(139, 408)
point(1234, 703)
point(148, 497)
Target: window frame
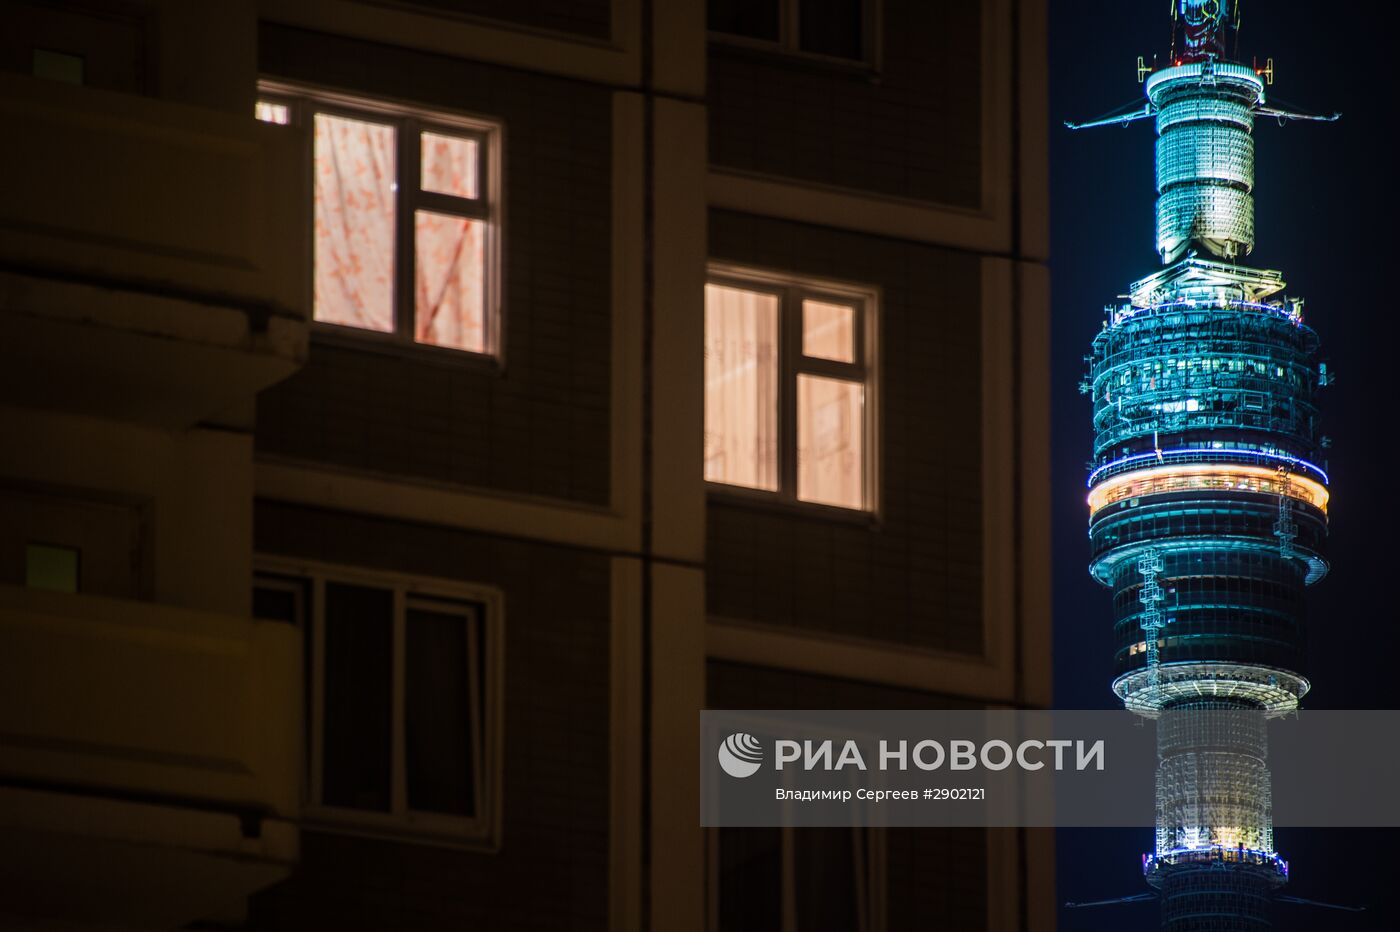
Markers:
point(308, 580)
point(410, 121)
point(872, 862)
point(791, 290)
point(789, 41)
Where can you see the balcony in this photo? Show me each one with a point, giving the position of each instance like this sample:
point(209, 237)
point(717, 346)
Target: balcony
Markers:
point(154, 259)
point(149, 759)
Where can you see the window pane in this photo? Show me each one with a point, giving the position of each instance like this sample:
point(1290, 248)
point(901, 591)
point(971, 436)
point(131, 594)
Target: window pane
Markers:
point(356, 730)
point(355, 190)
point(440, 730)
point(269, 112)
point(750, 879)
point(51, 567)
point(829, 331)
point(756, 19)
point(825, 878)
point(451, 265)
point(830, 441)
point(741, 387)
point(58, 66)
point(449, 165)
point(832, 27)
point(277, 602)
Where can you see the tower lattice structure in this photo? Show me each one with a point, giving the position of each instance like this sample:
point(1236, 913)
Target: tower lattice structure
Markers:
point(1207, 506)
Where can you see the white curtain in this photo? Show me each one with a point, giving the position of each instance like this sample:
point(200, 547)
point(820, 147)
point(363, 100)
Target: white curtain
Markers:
point(741, 387)
point(830, 441)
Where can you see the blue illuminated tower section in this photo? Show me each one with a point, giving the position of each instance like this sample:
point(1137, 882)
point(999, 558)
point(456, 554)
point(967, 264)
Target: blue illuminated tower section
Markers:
point(1207, 506)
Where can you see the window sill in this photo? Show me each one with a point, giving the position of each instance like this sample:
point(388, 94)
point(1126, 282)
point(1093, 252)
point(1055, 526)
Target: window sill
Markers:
point(401, 832)
point(757, 500)
point(389, 344)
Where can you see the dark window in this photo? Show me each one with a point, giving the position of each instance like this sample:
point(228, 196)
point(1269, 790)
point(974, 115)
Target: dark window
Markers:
point(399, 702)
point(824, 877)
point(832, 27)
point(52, 567)
point(280, 598)
point(357, 735)
point(750, 879)
point(752, 19)
point(807, 879)
point(440, 715)
point(58, 66)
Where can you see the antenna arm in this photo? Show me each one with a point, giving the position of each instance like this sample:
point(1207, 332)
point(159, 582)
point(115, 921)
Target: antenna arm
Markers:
point(1291, 115)
point(1302, 902)
point(1135, 898)
point(1118, 119)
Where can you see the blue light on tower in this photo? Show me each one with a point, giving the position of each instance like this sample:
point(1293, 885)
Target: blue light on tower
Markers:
point(1207, 511)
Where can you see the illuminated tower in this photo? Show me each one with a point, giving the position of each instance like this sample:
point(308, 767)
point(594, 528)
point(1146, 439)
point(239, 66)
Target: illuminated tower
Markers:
point(1207, 509)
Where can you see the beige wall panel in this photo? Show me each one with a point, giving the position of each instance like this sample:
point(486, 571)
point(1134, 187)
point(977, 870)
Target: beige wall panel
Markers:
point(678, 695)
point(678, 321)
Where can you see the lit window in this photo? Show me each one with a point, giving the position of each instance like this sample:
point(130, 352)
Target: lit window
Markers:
point(788, 388)
point(402, 701)
point(405, 225)
point(828, 331)
point(741, 387)
point(269, 112)
point(837, 29)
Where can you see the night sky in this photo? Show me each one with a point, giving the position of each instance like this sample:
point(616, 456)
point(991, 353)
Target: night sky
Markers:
point(1326, 208)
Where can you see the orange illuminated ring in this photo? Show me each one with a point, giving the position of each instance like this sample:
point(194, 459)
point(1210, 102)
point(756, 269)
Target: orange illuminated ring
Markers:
point(1207, 477)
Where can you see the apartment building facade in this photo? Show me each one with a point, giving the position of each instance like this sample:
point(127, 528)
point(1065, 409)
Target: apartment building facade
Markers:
point(418, 412)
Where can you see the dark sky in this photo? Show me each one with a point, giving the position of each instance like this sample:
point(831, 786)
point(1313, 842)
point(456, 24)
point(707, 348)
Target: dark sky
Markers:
point(1326, 203)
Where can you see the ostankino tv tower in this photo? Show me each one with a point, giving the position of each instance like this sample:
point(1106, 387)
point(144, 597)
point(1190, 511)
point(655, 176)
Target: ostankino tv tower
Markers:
point(1207, 506)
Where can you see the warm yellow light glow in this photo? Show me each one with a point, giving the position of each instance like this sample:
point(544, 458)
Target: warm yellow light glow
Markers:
point(1186, 478)
point(268, 112)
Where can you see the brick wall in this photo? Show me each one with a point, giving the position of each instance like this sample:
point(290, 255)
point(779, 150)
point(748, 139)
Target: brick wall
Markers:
point(910, 129)
point(540, 425)
point(555, 778)
point(915, 576)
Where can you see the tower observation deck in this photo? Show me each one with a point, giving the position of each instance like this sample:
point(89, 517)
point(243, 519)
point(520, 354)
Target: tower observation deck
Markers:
point(1207, 498)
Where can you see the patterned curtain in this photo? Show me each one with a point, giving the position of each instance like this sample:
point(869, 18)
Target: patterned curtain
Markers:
point(354, 223)
point(355, 235)
point(450, 250)
point(448, 295)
